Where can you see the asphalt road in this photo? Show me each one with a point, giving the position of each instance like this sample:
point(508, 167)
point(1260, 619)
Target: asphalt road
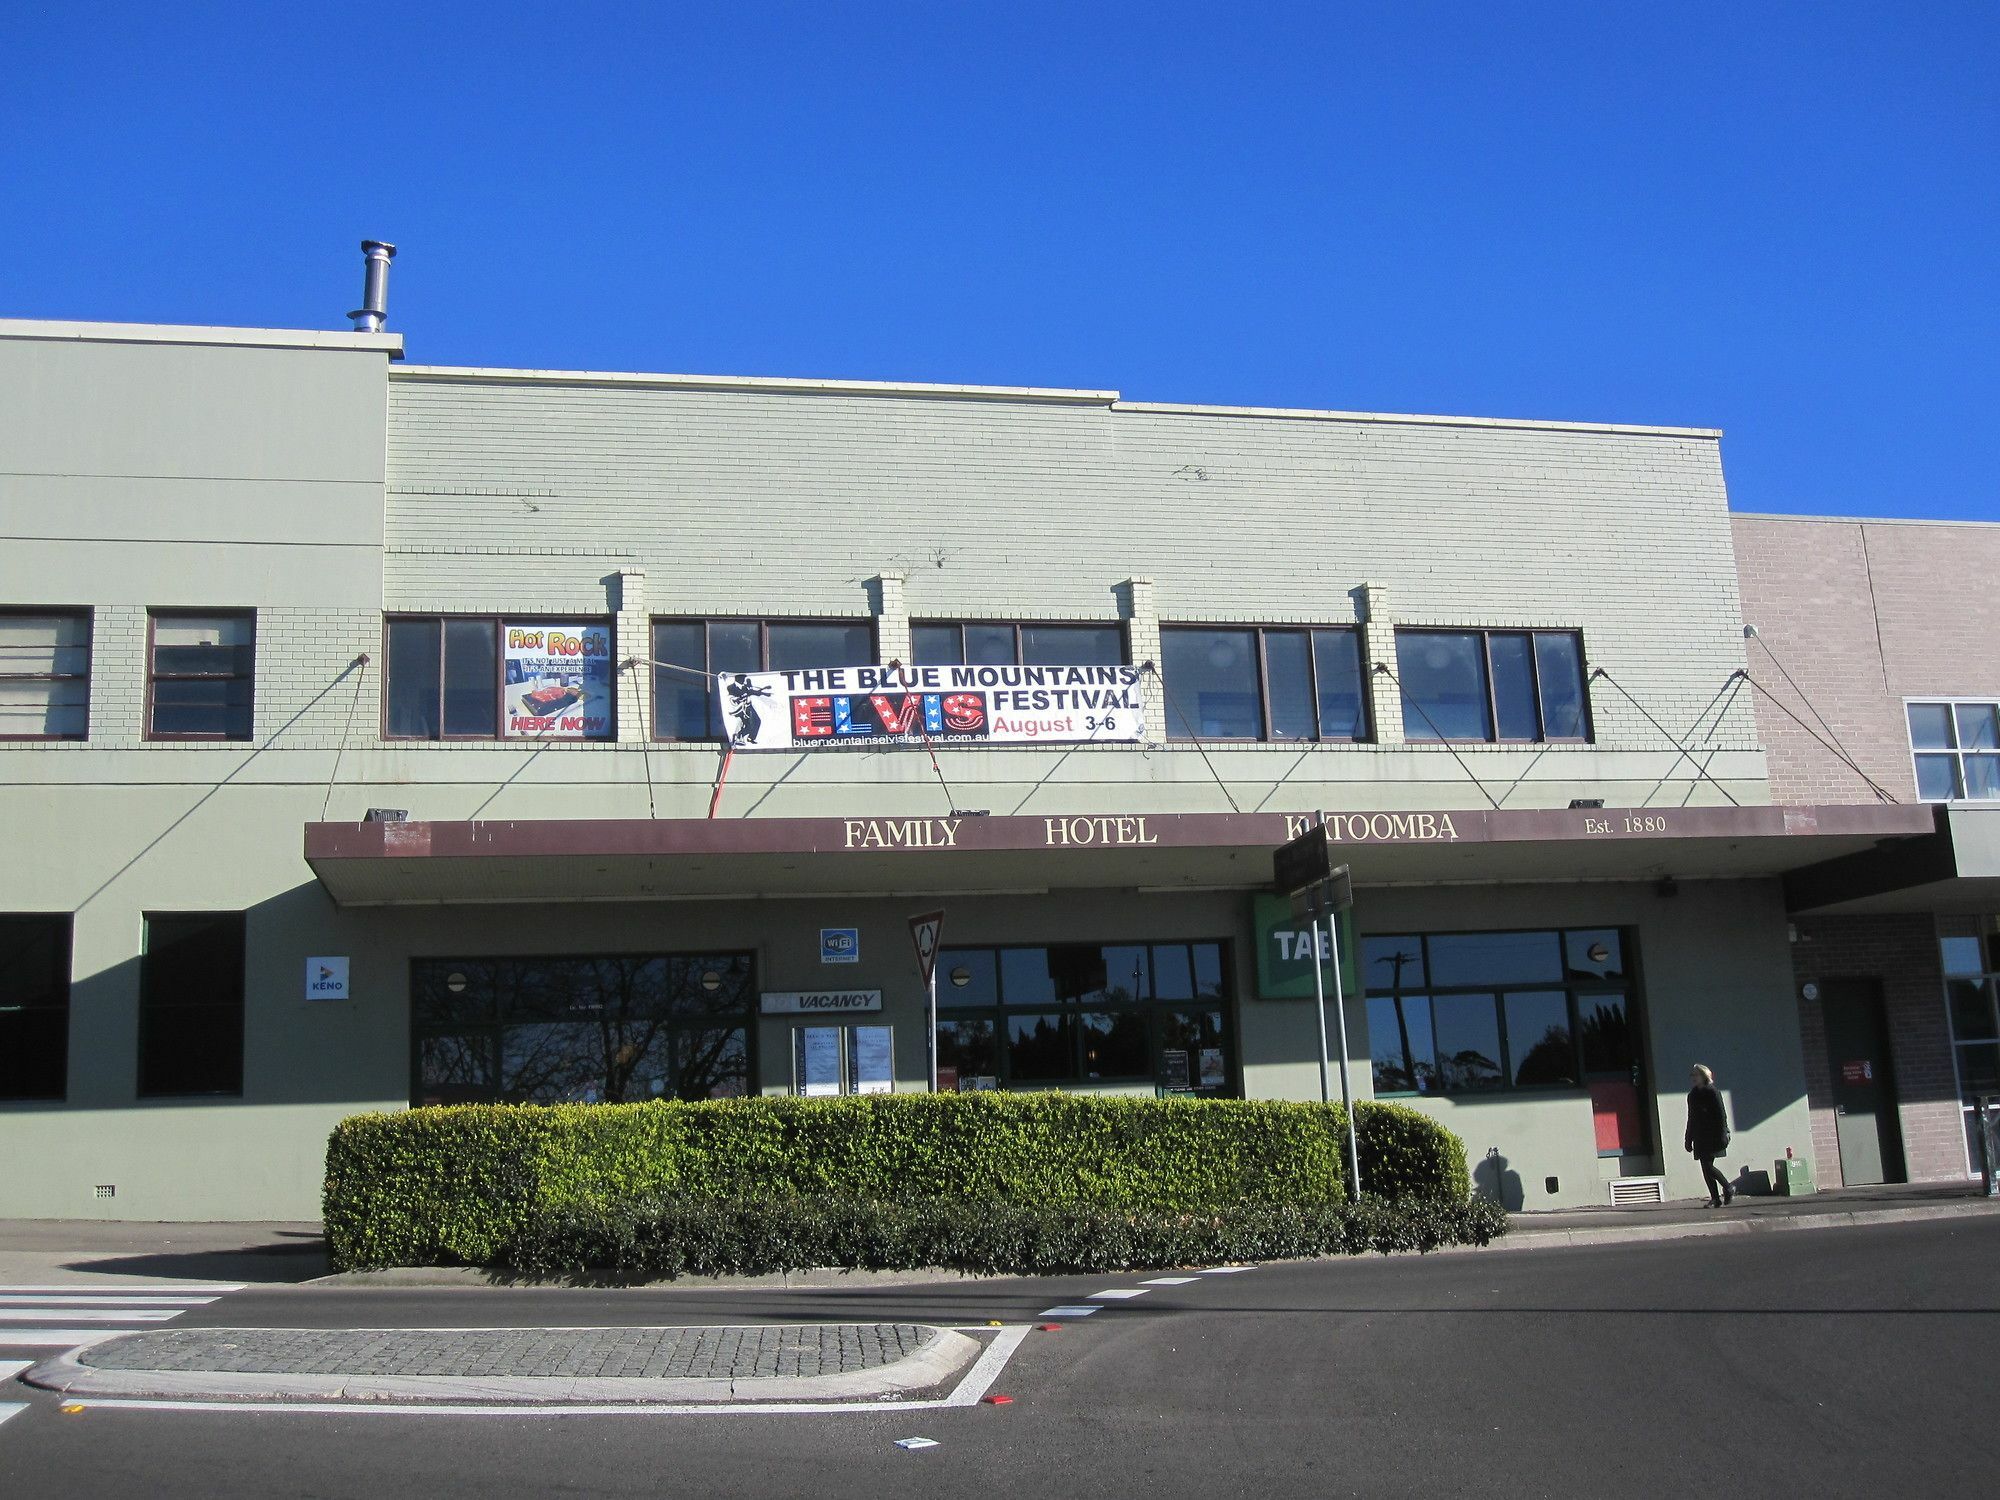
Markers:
point(1839, 1362)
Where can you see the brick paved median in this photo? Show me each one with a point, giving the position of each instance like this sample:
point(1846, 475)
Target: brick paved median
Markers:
point(772, 1352)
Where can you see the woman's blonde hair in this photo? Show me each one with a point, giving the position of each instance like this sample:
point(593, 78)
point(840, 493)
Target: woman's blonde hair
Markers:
point(1704, 1072)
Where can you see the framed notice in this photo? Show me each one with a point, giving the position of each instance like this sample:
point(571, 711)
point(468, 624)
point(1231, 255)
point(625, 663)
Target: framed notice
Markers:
point(816, 1071)
point(871, 1060)
point(828, 1061)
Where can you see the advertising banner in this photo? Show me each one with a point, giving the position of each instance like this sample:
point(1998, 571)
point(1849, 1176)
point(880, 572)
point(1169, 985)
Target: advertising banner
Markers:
point(558, 681)
point(935, 705)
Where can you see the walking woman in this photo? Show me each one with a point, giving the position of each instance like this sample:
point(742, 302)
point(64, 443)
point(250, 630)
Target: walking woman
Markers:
point(1708, 1133)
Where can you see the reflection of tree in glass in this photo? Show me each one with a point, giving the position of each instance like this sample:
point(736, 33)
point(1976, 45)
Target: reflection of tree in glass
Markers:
point(1607, 1036)
point(1550, 1060)
point(1471, 1069)
point(1043, 1052)
point(714, 1064)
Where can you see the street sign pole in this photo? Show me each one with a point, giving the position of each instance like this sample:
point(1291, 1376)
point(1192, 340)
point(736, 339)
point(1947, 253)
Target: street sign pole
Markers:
point(926, 929)
point(1304, 869)
point(1319, 1001)
point(1340, 1019)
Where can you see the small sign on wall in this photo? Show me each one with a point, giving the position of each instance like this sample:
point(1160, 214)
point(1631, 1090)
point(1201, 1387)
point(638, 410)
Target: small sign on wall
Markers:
point(326, 978)
point(840, 945)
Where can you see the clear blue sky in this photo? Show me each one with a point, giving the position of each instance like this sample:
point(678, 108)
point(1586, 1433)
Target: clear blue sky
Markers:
point(1778, 219)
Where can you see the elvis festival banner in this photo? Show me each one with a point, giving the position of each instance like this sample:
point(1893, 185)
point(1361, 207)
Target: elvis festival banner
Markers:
point(898, 705)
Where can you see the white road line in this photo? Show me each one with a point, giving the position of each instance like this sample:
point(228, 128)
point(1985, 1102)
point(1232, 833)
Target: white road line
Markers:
point(57, 1338)
point(969, 1391)
point(11, 1409)
point(1172, 1280)
point(165, 1288)
point(1069, 1310)
point(1119, 1294)
point(40, 1299)
point(1224, 1270)
point(86, 1315)
point(9, 1368)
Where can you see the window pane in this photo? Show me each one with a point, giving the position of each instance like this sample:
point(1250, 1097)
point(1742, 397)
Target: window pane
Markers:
point(936, 646)
point(1025, 977)
point(1971, 1010)
point(1979, 1069)
point(1463, 958)
point(1115, 1045)
point(1173, 977)
point(34, 1054)
point(1467, 1028)
point(989, 646)
point(1041, 1048)
point(452, 993)
point(1930, 726)
point(1559, 665)
point(1127, 974)
point(709, 1064)
point(44, 707)
point(1343, 711)
point(455, 1069)
point(202, 645)
point(471, 677)
point(1078, 970)
point(1288, 675)
point(191, 1005)
point(970, 977)
point(966, 1048)
point(681, 698)
point(1211, 684)
point(797, 646)
point(1978, 726)
point(1514, 686)
point(44, 644)
point(1072, 646)
point(1982, 776)
point(1538, 1039)
point(1937, 778)
point(1594, 954)
point(1444, 686)
point(1208, 971)
point(218, 706)
point(552, 1062)
point(1393, 963)
point(733, 647)
point(413, 678)
point(1961, 955)
point(34, 1006)
point(1200, 1034)
point(1399, 1030)
point(1606, 1027)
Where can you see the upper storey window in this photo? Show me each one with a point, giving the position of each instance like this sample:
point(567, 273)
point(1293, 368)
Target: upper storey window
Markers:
point(483, 678)
point(689, 654)
point(1956, 745)
point(200, 683)
point(1263, 683)
point(45, 675)
point(1002, 645)
point(1496, 686)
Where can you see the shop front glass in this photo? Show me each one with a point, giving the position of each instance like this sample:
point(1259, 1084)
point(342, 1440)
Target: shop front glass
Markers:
point(580, 1029)
point(1084, 1014)
point(1972, 1000)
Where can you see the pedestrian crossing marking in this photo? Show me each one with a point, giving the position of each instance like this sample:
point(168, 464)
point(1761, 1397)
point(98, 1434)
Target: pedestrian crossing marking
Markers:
point(86, 1315)
point(39, 1299)
point(9, 1409)
point(9, 1368)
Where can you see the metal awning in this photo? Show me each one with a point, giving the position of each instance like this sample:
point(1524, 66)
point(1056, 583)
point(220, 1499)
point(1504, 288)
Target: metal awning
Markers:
point(1953, 868)
point(370, 864)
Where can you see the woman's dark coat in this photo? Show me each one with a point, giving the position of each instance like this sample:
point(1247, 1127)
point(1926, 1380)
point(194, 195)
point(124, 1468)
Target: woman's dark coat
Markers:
point(1708, 1126)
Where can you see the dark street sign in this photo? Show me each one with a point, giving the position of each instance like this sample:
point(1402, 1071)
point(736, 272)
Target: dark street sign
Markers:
point(1303, 862)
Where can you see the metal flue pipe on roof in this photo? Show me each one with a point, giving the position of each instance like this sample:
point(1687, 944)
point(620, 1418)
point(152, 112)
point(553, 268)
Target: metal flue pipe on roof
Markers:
point(374, 309)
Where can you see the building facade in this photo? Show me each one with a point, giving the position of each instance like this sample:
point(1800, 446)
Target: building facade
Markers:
point(365, 744)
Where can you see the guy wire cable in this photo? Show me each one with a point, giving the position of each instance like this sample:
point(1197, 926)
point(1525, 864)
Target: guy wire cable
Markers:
point(359, 666)
point(1831, 741)
point(1382, 668)
point(1834, 750)
point(1685, 753)
point(1193, 738)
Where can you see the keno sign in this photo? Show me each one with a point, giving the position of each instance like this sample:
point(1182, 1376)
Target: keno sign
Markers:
point(932, 705)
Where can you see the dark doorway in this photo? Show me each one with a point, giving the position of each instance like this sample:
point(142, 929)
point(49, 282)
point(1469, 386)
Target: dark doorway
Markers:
point(1864, 1082)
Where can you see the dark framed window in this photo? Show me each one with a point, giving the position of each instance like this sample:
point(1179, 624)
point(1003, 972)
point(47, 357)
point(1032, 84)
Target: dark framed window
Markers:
point(1493, 686)
point(201, 673)
point(687, 655)
point(1496, 1012)
point(626, 1027)
point(1263, 683)
point(44, 674)
point(484, 677)
point(968, 643)
point(191, 1004)
point(1084, 1014)
point(34, 1006)
point(1955, 746)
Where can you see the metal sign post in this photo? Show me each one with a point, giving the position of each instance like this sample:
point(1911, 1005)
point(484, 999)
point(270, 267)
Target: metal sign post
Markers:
point(1304, 868)
point(925, 929)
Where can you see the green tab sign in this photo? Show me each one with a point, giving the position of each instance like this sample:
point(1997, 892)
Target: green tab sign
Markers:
point(1285, 952)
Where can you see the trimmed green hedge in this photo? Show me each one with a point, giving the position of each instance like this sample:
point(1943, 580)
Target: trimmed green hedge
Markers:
point(648, 1240)
point(460, 1184)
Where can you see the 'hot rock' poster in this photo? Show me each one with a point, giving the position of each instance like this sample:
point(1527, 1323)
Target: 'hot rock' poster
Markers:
point(914, 706)
point(558, 681)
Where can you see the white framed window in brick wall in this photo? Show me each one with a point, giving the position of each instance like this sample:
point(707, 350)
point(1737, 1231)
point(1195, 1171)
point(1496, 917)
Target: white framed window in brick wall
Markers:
point(484, 677)
point(44, 674)
point(201, 674)
point(1493, 686)
point(688, 654)
point(1261, 682)
point(1955, 748)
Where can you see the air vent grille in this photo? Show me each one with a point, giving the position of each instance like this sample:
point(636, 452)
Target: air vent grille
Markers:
point(1629, 1190)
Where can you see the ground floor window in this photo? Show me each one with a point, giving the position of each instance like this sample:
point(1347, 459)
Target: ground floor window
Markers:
point(1086, 1013)
point(580, 1029)
point(1972, 1001)
point(191, 1004)
point(34, 1007)
point(1498, 1012)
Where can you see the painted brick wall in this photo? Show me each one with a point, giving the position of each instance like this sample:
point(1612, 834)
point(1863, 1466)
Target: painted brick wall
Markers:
point(1902, 952)
point(751, 502)
point(1863, 614)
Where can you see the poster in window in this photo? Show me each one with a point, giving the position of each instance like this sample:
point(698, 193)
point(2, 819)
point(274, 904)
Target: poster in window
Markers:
point(816, 1061)
point(1212, 1073)
point(871, 1060)
point(558, 681)
point(1174, 1068)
